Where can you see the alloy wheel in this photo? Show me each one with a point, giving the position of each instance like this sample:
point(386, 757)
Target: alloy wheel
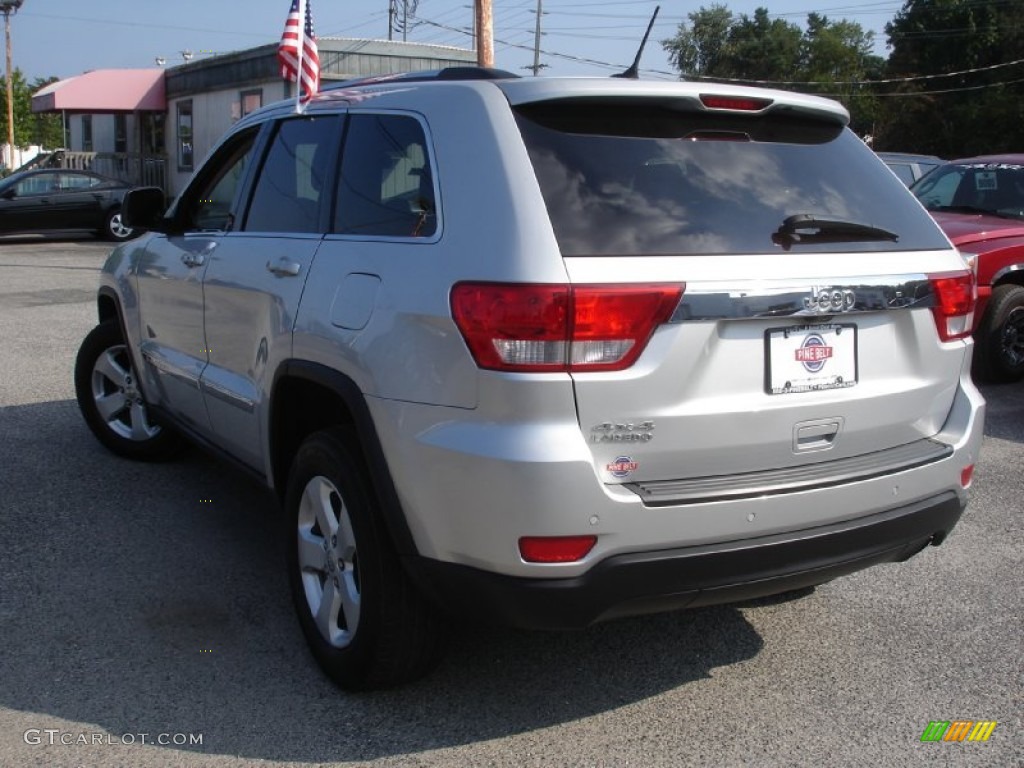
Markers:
point(328, 562)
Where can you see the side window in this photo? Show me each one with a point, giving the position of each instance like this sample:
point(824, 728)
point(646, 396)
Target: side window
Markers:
point(36, 185)
point(289, 188)
point(208, 204)
point(70, 181)
point(385, 187)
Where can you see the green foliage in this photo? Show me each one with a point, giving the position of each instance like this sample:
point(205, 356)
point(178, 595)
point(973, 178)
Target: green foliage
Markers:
point(697, 49)
point(974, 113)
point(29, 128)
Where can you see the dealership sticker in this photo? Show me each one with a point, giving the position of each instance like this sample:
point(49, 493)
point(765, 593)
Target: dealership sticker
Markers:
point(623, 466)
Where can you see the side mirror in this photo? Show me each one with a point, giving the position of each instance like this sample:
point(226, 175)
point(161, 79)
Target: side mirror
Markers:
point(143, 208)
point(9, 194)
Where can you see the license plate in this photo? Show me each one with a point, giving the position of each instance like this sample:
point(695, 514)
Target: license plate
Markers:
point(810, 358)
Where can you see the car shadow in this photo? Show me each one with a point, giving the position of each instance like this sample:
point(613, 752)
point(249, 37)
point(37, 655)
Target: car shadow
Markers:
point(1004, 413)
point(152, 598)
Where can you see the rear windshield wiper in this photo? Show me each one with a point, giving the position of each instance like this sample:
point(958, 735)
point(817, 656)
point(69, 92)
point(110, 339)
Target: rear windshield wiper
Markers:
point(806, 228)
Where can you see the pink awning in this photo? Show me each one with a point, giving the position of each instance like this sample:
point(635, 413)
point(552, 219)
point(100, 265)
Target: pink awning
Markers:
point(105, 90)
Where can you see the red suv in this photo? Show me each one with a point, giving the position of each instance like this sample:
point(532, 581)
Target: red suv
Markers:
point(979, 202)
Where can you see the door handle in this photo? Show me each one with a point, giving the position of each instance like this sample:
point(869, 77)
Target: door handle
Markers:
point(284, 267)
point(193, 259)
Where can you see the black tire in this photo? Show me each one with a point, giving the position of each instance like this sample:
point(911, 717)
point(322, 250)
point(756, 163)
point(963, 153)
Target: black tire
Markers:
point(999, 339)
point(375, 630)
point(105, 380)
point(113, 229)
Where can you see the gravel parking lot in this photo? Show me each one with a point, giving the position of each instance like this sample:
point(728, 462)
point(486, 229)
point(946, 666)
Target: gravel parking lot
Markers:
point(145, 620)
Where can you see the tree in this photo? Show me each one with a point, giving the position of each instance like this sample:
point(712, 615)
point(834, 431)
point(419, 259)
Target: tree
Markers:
point(974, 113)
point(760, 48)
point(31, 128)
point(696, 50)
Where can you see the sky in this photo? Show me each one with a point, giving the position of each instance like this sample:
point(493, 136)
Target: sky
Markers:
point(597, 37)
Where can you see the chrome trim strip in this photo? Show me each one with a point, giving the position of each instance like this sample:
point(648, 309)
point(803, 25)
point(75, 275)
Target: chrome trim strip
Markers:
point(805, 477)
point(166, 367)
point(810, 298)
point(225, 395)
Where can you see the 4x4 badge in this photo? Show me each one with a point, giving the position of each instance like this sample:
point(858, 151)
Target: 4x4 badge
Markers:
point(830, 300)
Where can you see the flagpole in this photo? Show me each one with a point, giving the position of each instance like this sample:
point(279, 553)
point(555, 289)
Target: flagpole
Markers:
point(302, 47)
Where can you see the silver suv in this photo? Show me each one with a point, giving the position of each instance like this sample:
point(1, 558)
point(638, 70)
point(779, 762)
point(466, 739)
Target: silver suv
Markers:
point(547, 351)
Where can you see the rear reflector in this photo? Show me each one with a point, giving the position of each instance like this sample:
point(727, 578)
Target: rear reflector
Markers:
point(966, 476)
point(560, 328)
point(955, 297)
point(737, 103)
point(555, 549)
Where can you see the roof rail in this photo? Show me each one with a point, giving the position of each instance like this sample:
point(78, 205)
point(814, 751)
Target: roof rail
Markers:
point(448, 73)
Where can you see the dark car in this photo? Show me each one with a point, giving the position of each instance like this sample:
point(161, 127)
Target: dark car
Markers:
point(57, 199)
point(979, 203)
point(909, 167)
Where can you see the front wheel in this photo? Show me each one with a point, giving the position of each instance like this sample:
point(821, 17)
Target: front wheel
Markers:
point(114, 228)
point(366, 624)
point(111, 402)
point(999, 340)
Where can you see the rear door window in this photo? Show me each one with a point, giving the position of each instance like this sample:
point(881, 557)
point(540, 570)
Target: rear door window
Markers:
point(289, 190)
point(647, 179)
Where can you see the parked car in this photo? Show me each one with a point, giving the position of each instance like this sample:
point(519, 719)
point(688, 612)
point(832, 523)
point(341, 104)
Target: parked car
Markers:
point(502, 350)
point(979, 202)
point(56, 199)
point(909, 167)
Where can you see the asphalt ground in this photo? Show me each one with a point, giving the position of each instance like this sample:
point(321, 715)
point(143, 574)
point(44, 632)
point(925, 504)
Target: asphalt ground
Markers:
point(145, 620)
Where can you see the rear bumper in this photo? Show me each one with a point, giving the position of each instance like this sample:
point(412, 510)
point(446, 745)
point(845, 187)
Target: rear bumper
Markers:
point(649, 582)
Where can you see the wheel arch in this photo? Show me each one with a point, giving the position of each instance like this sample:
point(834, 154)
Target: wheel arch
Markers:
point(1012, 273)
point(307, 397)
point(108, 307)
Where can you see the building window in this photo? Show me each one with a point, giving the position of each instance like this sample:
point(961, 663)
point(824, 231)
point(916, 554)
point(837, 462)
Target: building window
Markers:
point(251, 101)
point(87, 133)
point(120, 133)
point(185, 149)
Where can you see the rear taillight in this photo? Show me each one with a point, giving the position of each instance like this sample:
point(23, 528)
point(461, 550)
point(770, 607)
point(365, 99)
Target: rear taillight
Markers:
point(530, 327)
point(955, 296)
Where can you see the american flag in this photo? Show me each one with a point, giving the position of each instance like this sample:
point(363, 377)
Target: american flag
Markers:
point(288, 51)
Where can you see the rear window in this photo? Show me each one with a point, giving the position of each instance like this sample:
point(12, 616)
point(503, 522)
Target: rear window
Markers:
point(646, 179)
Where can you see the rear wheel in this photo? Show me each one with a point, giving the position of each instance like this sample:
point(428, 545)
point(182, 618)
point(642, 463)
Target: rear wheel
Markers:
point(366, 624)
point(114, 228)
point(999, 340)
point(111, 402)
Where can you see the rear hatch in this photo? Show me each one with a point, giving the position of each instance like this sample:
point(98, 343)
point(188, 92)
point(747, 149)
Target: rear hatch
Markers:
point(819, 312)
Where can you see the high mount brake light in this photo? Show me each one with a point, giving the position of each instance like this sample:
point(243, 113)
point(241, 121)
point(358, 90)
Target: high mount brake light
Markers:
point(560, 328)
point(955, 297)
point(736, 103)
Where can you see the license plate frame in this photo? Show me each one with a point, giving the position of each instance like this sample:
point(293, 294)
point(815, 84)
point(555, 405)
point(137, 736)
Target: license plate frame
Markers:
point(810, 358)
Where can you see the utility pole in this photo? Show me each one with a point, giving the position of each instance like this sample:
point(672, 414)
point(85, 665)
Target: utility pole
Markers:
point(484, 33)
point(536, 40)
point(7, 7)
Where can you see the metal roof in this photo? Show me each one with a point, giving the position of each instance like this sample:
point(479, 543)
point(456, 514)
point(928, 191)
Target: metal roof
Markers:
point(105, 90)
